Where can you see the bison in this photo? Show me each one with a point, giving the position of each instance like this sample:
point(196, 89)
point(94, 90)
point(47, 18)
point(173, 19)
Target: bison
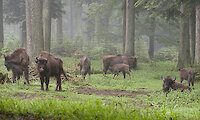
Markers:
point(187, 74)
point(171, 83)
point(18, 62)
point(110, 60)
point(47, 66)
point(117, 68)
point(84, 64)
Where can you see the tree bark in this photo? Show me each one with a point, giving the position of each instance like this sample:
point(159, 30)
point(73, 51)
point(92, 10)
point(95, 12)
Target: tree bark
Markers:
point(192, 34)
point(47, 25)
point(151, 37)
point(71, 19)
point(59, 30)
point(124, 25)
point(130, 28)
point(1, 25)
point(197, 53)
point(23, 43)
point(184, 58)
point(79, 19)
point(37, 26)
point(28, 28)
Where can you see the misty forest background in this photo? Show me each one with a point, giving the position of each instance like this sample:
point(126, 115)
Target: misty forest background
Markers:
point(149, 29)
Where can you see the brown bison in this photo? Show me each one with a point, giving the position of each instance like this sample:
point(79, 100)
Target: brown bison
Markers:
point(47, 66)
point(18, 62)
point(84, 64)
point(117, 68)
point(110, 60)
point(170, 83)
point(187, 74)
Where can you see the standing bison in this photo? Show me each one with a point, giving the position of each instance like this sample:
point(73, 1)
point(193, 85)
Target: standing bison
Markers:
point(117, 68)
point(171, 83)
point(110, 60)
point(47, 66)
point(18, 62)
point(187, 74)
point(84, 64)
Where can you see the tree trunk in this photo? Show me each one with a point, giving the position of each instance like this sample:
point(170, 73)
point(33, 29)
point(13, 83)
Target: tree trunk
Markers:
point(59, 30)
point(79, 18)
point(124, 25)
point(71, 19)
point(151, 37)
point(192, 34)
point(130, 28)
point(197, 53)
point(1, 25)
point(184, 47)
point(28, 28)
point(47, 25)
point(23, 43)
point(37, 26)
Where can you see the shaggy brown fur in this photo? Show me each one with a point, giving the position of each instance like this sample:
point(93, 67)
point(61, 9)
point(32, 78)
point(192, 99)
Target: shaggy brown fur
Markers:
point(84, 64)
point(18, 62)
point(48, 66)
point(170, 83)
point(110, 60)
point(117, 68)
point(187, 74)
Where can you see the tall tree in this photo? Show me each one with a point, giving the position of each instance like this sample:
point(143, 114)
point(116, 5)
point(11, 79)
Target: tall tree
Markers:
point(192, 33)
point(37, 28)
point(151, 37)
point(124, 25)
point(28, 28)
point(130, 28)
point(184, 46)
point(47, 24)
point(197, 53)
point(1, 25)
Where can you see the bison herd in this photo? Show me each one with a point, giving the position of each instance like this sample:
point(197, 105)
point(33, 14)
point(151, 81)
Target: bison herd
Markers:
point(51, 66)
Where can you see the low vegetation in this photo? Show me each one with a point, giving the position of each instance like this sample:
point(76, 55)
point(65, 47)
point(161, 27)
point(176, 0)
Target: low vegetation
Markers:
point(101, 97)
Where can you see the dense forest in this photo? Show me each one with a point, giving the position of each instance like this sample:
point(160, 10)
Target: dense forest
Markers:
point(150, 30)
point(160, 39)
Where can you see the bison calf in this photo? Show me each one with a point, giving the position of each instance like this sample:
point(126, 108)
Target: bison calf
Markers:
point(170, 83)
point(48, 66)
point(18, 62)
point(117, 68)
point(84, 64)
point(187, 74)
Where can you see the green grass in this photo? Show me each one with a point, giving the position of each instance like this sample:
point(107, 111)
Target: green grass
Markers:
point(29, 101)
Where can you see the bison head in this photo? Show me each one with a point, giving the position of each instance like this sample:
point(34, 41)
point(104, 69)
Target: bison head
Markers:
point(7, 62)
point(168, 82)
point(41, 64)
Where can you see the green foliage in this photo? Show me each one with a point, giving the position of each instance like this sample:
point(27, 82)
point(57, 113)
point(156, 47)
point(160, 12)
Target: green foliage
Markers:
point(5, 50)
point(167, 54)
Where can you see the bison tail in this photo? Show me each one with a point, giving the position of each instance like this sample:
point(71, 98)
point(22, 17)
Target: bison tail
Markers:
point(65, 75)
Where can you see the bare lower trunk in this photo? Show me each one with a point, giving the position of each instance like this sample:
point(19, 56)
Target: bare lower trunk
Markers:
point(28, 28)
point(184, 48)
point(23, 35)
point(59, 30)
point(47, 25)
point(197, 54)
point(130, 28)
point(124, 25)
point(151, 37)
point(192, 34)
point(1, 25)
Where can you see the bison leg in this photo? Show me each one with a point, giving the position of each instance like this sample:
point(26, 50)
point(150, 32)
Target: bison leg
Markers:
point(13, 77)
point(192, 83)
point(124, 75)
point(47, 83)
point(42, 82)
point(181, 80)
point(26, 75)
point(58, 83)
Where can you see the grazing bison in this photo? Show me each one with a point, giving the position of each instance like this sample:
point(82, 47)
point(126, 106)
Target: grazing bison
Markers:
point(84, 64)
point(47, 66)
point(117, 68)
point(170, 83)
point(187, 74)
point(110, 60)
point(18, 62)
